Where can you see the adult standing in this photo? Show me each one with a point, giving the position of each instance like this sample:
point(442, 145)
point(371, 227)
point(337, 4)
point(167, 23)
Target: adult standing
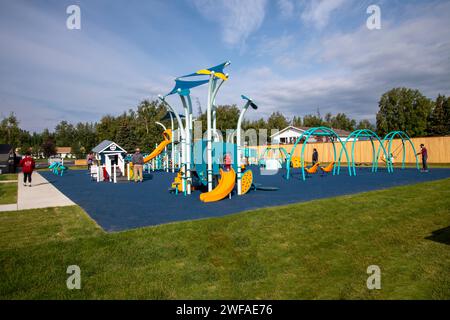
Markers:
point(138, 165)
point(315, 156)
point(28, 165)
point(424, 153)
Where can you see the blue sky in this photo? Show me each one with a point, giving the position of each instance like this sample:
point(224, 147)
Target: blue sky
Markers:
point(293, 56)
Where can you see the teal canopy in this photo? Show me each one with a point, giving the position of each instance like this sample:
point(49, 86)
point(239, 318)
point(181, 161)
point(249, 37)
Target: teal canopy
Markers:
point(183, 87)
point(167, 115)
point(217, 69)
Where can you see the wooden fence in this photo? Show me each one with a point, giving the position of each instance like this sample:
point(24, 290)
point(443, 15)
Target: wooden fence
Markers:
point(438, 150)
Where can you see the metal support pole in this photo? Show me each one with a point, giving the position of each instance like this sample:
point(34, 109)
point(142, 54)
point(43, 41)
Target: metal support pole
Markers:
point(208, 132)
point(239, 147)
point(183, 135)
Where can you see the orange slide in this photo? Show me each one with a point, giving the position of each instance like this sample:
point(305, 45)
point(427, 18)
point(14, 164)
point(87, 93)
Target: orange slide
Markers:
point(223, 189)
point(167, 134)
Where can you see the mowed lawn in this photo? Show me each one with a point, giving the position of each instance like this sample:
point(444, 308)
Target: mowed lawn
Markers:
point(314, 250)
point(8, 193)
point(8, 176)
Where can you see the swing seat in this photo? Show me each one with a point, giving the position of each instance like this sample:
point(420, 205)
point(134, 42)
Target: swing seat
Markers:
point(328, 168)
point(313, 169)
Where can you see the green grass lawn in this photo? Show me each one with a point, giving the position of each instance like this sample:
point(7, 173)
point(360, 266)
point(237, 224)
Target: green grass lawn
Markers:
point(314, 250)
point(8, 193)
point(8, 176)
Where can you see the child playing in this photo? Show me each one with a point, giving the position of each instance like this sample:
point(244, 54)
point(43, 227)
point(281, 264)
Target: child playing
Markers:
point(227, 161)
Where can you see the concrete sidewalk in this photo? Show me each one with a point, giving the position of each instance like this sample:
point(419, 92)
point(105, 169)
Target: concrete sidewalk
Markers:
point(42, 194)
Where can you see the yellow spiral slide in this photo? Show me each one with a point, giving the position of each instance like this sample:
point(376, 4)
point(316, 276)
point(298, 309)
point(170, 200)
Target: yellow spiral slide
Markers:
point(167, 134)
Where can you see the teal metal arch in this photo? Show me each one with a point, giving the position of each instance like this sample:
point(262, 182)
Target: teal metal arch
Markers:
point(318, 131)
point(366, 133)
point(268, 148)
point(404, 136)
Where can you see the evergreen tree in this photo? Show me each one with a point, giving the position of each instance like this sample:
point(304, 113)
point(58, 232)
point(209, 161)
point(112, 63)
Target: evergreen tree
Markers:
point(297, 122)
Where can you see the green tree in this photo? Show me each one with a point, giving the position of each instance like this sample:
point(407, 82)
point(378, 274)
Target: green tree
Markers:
point(10, 133)
point(297, 121)
point(341, 121)
point(125, 136)
point(403, 109)
point(365, 124)
point(277, 121)
point(227, 117)
point(311, 120)
point(440, 117)
point(48, 148)
point(107, 128)
point(64, 134)
point(85, 139)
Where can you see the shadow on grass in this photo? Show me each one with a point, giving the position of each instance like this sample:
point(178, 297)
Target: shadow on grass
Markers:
point(441, 236)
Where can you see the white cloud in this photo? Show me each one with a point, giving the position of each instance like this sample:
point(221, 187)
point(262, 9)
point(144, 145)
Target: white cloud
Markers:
point(354, 69)
point(238, 19)
point(318, 12)
point(49, 74)
point(286, 8)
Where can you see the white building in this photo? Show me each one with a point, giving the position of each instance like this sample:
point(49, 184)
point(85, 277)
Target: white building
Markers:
point(290, 134)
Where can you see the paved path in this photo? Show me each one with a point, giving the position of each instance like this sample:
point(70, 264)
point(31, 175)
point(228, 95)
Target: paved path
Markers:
point(42, 194)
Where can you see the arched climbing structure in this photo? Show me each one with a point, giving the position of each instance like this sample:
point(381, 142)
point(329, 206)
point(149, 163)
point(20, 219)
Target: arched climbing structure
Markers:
point(388, 139)
point(366, 133)
point(322, 132)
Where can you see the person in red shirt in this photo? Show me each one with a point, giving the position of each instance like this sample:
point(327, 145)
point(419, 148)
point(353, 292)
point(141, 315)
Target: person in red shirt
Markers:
point(227, 161)
point(28, 166)
point(424, 153)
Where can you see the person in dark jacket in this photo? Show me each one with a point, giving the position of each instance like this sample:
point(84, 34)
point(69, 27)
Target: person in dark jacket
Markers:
point(424, 153)
point(315, 156)
point(28, 165)
point(138, 165)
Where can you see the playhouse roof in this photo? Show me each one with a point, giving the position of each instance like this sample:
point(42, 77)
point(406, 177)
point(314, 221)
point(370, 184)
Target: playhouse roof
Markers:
point(104, 145)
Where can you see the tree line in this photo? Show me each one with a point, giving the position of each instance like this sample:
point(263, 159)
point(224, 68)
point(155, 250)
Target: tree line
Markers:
point(399, 109)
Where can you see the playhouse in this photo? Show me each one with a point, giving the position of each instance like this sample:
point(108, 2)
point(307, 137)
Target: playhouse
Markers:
point(110, 161)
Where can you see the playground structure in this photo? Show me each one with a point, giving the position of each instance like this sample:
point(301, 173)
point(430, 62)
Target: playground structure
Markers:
point(158, 159)
point(57, 168)
point(199, 163)
point(389, 138)
point(205, 171)
point(334, 167)
point(273, 157)
point(195, 171)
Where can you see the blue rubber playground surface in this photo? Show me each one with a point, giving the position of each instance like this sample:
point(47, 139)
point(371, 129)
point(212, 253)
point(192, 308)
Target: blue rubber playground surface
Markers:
point(122, 206)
